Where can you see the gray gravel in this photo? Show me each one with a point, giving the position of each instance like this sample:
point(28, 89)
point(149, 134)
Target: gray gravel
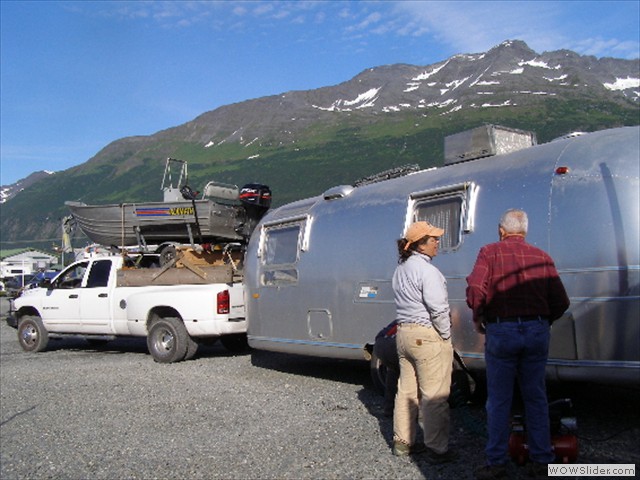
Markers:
point(79, 412)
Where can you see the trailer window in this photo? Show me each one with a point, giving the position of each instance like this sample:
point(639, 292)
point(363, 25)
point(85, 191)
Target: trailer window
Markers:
point(444, 212)
point(280, 254)
point(281, 245)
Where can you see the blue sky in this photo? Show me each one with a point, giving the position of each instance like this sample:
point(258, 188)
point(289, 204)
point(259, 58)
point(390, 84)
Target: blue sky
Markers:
point(76, 76)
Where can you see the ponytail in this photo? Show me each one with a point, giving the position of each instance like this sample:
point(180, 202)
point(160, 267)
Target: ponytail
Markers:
point(403, 252)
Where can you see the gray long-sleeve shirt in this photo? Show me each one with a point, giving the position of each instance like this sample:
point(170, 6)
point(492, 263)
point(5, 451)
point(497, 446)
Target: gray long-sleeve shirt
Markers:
point(421, 296)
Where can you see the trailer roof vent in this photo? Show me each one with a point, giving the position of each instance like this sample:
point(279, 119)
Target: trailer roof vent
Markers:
point(340, 191)
point(485, 141)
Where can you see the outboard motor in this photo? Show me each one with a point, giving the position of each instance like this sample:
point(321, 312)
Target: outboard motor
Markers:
point(256, 200)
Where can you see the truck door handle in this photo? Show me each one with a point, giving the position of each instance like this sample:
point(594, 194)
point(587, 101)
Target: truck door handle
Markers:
point(73, 295)
point(103, 295)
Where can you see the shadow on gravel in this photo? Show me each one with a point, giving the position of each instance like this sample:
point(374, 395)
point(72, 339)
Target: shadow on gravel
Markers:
point(467, 437)
point(122, 345)
point(608, 420)
point(119, 345)
point(353, 372)
point(607, 417)
point(218, 351)
point(374, 403)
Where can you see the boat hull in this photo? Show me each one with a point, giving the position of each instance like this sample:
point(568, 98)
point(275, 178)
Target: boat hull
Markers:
point(128, 224)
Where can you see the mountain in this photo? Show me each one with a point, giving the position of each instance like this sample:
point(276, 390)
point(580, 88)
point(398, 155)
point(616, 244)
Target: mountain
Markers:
point(302, 142)
point(7, 192)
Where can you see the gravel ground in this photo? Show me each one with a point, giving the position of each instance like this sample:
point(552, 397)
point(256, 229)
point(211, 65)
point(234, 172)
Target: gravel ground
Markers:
point(80, 412)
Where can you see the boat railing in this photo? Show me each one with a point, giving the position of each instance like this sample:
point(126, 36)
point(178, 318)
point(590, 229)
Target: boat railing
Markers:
point(171, 190)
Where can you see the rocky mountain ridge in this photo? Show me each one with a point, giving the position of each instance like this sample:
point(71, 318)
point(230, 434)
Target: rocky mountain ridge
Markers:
point(509, 75)
point(301, 142)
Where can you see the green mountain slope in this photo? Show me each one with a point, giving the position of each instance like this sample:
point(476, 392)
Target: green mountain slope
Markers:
point(329, 153)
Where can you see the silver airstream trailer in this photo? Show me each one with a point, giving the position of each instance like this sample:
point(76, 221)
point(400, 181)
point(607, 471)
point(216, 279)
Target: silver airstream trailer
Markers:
point(318, 271)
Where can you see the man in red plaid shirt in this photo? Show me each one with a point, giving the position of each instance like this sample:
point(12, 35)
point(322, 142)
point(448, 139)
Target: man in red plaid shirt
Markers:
point(515, 293)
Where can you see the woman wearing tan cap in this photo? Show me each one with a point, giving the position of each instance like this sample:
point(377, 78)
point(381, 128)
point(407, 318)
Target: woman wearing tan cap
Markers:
point(424, 347)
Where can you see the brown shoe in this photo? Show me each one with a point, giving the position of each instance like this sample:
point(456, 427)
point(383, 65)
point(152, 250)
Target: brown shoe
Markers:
point(490, 472)
point(402, 449)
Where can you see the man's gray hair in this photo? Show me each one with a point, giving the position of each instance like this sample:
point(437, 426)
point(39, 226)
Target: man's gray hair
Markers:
point(515, 221)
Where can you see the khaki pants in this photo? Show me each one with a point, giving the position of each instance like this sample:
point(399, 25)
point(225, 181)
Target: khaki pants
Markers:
point(426, 361)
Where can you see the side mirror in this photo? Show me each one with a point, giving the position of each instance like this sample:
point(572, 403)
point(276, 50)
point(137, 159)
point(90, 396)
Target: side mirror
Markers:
point(46, 283)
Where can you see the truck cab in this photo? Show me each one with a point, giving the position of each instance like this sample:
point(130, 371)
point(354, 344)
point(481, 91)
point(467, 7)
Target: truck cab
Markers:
point(113, 296)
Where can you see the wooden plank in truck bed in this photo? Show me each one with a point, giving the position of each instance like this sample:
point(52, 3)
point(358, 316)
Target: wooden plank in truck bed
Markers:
point(139, 277)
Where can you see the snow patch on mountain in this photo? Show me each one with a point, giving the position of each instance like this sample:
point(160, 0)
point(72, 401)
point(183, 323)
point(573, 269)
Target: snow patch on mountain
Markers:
point(538, 64)
point(7, 192)
point(364, 100)
point(623, 84)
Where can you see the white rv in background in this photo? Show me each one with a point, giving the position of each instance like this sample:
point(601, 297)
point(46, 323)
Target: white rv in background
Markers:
point(318, 271)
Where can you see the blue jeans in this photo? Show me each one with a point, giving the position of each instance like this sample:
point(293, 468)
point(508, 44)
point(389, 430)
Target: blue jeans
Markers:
point(517, 350)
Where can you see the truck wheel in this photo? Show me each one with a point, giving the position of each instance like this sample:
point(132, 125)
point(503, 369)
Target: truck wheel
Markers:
point(167, 340)
point(378, 374)
point(32, 335)
point(192, 348)
point(236, 342)
point(460, 392)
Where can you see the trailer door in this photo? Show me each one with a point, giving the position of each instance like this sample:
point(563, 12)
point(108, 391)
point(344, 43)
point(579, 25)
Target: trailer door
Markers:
point(278, 312)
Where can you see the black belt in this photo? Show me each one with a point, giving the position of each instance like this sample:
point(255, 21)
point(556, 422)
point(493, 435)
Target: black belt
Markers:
point(522, 318)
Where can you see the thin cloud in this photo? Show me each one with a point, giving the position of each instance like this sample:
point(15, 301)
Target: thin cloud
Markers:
point(473, 26)
point(239, 10)
point(370, 20)
point(612, 47)
point(469, 27)
point(456, 26)
point(263, 8)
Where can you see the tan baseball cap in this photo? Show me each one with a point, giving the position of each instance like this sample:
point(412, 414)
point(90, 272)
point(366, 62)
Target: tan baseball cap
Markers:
point(419, 230)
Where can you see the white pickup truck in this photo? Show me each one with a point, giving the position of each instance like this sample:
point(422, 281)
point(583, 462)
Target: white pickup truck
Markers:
point(107, 297)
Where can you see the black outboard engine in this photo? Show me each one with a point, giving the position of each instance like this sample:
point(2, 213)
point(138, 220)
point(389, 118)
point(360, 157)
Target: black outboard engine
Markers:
point(256, 200)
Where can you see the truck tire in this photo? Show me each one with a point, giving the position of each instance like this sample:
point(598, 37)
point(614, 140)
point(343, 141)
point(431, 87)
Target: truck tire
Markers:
point(460, 393)
point(378, 374)
point(167, 340)
point(235, 342)
point(32, 335)
point(192, 348)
